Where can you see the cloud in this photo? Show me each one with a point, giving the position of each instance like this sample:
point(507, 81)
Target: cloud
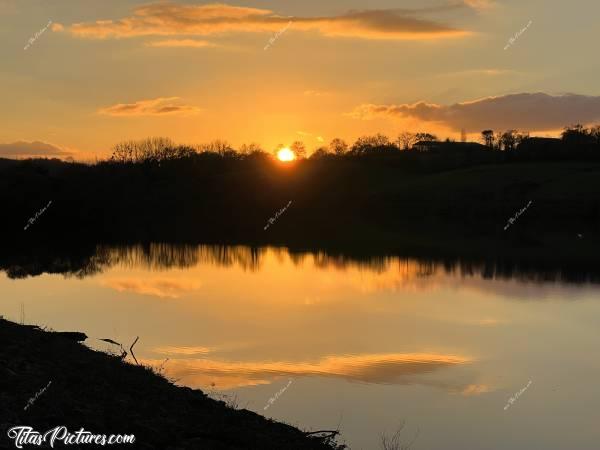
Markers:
point(181, 43)
point(36, 148)
point(476, 73)
point(532, 112)
point(187, 351)
point(371, 368)
point(161, 287)
point(476, 389)
point(155, 107)
point(312, 93)
point(479, 4)
point(173, 19)
point(172, 350)
point(305, 134)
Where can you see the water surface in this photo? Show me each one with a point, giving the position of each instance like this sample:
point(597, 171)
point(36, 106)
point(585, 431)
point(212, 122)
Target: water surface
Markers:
point(326, 341)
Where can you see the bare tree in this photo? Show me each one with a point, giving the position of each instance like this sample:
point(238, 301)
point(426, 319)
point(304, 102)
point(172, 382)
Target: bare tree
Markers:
point(248, 149)
point(299, 149)
point(123, 152)
point(338, 146)
point(406, 140)
point(153, 149)
point(217, 146)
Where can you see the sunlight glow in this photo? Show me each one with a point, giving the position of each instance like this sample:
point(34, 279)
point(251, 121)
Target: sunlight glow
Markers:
point(285, 154)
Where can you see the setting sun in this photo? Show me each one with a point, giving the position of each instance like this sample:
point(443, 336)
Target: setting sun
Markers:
point(285, 154)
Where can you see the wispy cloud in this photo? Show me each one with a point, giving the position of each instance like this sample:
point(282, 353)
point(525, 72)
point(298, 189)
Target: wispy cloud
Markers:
point(476, 389)
point(187, 351)
point(176, 350)
point(174, 19)
point(36, 148)
point(476, 73)
point(534, 112)
point(154, 107)
point(313, 93)
point(181, 43)
point(480, 5)
point(305, 134)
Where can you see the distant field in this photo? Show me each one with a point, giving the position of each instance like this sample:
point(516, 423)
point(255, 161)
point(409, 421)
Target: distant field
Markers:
point(194, 200)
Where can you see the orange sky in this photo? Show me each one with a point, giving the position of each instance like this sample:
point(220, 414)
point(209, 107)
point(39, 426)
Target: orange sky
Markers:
point(79, 78)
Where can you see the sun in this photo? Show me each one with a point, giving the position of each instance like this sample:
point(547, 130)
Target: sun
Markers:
point(285, 154)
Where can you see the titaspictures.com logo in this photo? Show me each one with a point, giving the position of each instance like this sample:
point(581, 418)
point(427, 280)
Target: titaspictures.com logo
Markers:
point(24, 435)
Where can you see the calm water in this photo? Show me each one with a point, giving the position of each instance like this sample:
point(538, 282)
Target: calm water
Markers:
point(363, 345)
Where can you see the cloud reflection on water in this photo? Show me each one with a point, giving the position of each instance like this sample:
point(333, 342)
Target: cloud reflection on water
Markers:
point(400, 368)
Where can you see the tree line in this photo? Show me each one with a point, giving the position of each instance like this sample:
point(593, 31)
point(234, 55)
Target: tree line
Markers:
point(158, 149)
point(573, 138)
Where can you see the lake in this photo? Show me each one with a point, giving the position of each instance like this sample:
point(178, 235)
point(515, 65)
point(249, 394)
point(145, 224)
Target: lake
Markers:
point(465, 355)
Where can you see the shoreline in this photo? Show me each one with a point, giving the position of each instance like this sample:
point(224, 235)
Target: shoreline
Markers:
point(103, 395)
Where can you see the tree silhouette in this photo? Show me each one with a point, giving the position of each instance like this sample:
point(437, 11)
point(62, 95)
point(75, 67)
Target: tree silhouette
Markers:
point(368, 144)
point(299, 149)
point(250, 149)
point(426, 137)
point(521, 137)
point(595, 134)
point(321, 152)
point(338, 146)
point(488, 137)
point(155, 149)
point(406, 140)
point(217, 146)
point(509, 140)
point(577, 135)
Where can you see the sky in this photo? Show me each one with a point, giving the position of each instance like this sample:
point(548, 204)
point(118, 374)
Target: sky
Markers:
point(79, 76)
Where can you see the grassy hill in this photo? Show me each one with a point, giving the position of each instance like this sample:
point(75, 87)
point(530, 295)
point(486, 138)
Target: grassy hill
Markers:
point(215, 198)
